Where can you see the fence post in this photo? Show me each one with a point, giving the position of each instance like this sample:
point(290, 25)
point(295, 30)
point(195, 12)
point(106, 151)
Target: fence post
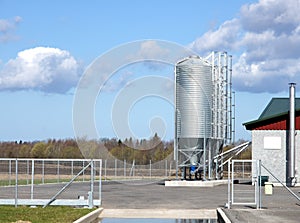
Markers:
point(72, 168)
point(100, 181)
point(105, 165)
point(228, 193)
point(166, 167)
point(9, 170)
point(170, 171)
point(43, 171)
point(150, 169)
point(124, 168)
point(258, 205)
point(27, 175)
point(243, 169)
point(32, 179)
point(133, 168)
point(115, 167)
point(58, 170)
point(16, 185)
point(232, 179)
point(91, 193)
point(83, 175)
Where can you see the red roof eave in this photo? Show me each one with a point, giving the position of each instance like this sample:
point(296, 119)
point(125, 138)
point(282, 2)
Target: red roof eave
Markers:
point(275, 123)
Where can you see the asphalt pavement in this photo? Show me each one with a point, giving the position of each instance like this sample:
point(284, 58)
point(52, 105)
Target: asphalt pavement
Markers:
point(281, 206)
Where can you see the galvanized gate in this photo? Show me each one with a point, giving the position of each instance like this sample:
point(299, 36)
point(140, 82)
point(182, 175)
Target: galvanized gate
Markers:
point(244, 183)
point(71, 182)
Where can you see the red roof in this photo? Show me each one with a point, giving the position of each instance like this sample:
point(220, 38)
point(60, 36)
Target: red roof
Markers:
point(276, 116)
point(275, 123)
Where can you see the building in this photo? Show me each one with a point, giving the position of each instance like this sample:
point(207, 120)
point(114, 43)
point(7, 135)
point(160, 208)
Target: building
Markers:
point(272, 142)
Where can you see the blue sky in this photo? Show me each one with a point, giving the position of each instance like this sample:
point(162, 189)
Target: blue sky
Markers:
point(45, 47)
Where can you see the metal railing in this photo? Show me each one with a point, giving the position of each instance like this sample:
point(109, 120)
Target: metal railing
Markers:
point(43, 182)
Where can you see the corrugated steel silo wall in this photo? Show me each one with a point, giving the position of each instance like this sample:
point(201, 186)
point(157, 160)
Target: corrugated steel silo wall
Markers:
point(193, 98)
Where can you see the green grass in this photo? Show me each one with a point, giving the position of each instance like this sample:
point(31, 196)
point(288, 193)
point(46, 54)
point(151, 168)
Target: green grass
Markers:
point(52, 214)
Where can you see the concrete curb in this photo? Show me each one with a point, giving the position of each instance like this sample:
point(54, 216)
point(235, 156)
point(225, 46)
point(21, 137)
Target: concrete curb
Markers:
point(196, 183)
point(90, 216)
point(160, 213)
point(222, 217)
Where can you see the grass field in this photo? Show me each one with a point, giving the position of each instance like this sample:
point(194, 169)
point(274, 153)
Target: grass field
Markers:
point(52, 214)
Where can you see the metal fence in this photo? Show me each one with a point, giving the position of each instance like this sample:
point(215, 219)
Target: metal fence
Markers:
point(73, 182)
point(50, 182)
point(124, 170)
point(245, 183)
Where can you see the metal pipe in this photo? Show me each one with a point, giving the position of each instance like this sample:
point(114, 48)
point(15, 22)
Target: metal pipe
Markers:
point(105, 164)
point(150, 167)
point(228, 186)
point(291, 161)
point(43, 172)
point(91, 192)
point(258, 204)
point(16, 184)
point(9, 170)
point(32, 179)
point(100, 181)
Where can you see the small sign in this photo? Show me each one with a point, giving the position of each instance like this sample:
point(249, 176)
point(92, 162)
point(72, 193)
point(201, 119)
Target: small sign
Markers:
point(272, 142)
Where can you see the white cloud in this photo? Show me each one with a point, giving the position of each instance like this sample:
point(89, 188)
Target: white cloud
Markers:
point(151, 49)
point(265, 42)
point(220, 39)
point(7, 27)
point(42, 68)
point(282, 16)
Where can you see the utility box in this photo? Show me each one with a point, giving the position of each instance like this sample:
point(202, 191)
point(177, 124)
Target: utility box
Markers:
point(262, 180)
point(268, 188)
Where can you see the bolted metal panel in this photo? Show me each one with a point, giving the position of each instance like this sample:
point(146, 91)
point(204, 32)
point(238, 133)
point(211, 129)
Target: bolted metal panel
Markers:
point(194, 90)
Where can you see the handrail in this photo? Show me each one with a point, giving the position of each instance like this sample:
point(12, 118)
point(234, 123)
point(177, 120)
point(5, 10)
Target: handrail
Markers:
point(233, 149)
point(238, 149)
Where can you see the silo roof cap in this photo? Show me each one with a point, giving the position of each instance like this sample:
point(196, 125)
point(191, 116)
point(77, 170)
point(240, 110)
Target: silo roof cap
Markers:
point(193, 59)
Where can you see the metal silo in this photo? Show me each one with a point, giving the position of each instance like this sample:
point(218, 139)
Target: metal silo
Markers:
point(194, 97)
point(201, 116)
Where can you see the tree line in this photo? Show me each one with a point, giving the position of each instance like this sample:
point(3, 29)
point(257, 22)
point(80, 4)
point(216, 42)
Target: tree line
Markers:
point(142, 151)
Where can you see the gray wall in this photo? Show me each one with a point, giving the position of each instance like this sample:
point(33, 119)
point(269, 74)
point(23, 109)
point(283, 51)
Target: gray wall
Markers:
point(270, 146)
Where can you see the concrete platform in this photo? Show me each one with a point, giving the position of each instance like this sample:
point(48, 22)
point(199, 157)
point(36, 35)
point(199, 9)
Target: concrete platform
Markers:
point(264, 215)
point(195, 183)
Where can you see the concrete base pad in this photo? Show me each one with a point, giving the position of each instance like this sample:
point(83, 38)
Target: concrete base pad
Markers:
point(160, 213)
point(184, 183)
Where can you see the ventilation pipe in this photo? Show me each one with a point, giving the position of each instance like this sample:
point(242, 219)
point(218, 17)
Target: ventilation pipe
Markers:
point(291, 161)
